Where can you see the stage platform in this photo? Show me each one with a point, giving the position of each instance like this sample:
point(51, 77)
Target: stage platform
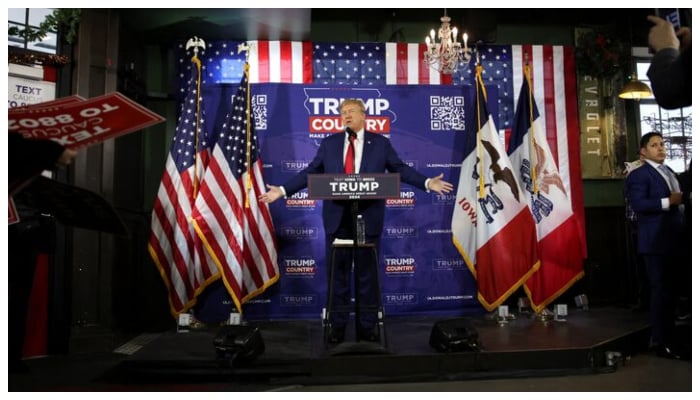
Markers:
point(295, 353)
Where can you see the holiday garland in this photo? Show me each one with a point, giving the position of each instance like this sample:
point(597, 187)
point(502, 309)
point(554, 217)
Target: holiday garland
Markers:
point(55, 60)
point(598, 55)
point(64, 19)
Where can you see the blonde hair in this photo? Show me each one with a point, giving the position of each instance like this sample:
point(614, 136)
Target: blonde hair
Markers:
point(357, 102)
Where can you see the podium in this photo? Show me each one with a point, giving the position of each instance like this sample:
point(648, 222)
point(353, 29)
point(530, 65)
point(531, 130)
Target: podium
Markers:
point(353, 188)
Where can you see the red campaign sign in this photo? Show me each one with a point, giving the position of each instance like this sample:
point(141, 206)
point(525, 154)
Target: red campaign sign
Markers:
point(83, 123)
point(13, 216)
point(53, 103)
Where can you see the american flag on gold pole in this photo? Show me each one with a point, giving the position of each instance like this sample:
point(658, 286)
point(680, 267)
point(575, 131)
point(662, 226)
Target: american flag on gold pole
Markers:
point(184, 265)
point(235, 227)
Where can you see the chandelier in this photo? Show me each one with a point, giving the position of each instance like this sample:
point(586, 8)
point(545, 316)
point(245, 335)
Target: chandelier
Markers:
point(446, 53)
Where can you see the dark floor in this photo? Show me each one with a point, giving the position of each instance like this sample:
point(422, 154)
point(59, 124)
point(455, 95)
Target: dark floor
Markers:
point(524, 354)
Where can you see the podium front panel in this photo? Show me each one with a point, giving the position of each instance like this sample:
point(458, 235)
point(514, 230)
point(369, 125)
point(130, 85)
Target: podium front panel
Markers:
point(353, 186)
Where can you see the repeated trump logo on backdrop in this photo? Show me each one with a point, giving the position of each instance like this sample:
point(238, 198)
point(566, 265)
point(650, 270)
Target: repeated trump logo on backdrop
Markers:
point(425, 125)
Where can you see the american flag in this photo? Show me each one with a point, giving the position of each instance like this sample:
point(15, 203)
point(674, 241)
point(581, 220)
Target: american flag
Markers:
point(175, 248)
point(280, 61)
point(221, 63)
point(236, 228)
point(497, 63)
point(367, 64)
point(372, 63)
point(269, 61)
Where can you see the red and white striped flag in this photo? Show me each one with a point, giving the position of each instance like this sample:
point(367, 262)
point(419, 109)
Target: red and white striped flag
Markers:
point(491, 224)
point(236, 228)
point(562, 249)
point(280, 61)
point(405, 65)
point(176, 250)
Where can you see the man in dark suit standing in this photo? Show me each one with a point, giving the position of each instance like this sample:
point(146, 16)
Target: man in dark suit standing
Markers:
point(355, 151)
point(654, 194)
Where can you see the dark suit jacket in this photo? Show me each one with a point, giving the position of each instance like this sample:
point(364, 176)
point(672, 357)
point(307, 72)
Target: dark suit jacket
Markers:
point(670, 76)
point(28, 158)
point(378, 156)
point(659, 230)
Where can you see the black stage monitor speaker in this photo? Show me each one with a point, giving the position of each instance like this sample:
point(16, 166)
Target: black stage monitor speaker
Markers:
point(454, 335)
point(238, 344)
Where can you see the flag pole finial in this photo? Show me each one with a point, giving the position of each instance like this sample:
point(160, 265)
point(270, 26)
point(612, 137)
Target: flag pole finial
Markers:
point(245, 47)
point(197, 43)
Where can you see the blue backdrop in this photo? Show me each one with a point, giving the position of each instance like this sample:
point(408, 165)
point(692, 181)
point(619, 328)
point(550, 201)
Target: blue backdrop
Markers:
point(420, 270)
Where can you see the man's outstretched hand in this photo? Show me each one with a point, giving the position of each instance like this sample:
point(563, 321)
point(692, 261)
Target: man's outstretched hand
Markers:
point(273, 194)
point(436, 184)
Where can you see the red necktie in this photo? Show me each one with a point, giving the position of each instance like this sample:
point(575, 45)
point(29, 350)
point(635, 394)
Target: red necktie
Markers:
point(350, 157)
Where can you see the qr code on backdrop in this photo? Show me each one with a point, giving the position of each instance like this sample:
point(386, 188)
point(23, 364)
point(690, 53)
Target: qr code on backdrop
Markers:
point(260, 111)
point(447, 113)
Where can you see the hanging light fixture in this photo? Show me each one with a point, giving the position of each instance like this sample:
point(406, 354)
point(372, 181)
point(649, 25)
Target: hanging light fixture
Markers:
point(635, 90)
point(444, 52)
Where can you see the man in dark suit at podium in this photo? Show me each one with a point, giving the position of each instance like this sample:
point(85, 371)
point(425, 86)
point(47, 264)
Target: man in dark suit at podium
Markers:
point(355, 151)
point(654, 194)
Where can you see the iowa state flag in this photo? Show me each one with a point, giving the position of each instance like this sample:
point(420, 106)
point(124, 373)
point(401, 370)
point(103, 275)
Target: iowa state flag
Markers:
point(561, 248)
point(491, 223)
